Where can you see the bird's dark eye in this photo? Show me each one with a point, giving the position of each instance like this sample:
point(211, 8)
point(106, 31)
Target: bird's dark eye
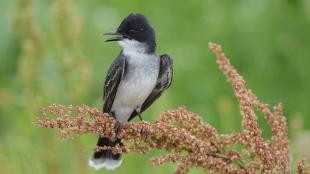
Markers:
point(132, 31)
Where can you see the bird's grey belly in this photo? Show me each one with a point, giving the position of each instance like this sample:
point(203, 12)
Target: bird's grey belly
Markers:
point(133, 90)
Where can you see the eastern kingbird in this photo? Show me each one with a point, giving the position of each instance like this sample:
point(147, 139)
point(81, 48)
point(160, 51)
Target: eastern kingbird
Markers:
point(135, 79)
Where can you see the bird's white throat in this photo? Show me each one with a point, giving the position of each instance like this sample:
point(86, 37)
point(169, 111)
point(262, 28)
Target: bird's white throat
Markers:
point(133, 47)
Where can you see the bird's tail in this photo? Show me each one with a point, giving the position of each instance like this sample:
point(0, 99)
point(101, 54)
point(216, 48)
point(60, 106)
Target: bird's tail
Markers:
point(105, 158)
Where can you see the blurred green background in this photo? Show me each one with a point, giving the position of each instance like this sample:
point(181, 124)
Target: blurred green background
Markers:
point(52, 51)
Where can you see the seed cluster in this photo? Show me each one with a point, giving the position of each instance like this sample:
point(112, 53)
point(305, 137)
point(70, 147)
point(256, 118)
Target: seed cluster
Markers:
point(187, 139)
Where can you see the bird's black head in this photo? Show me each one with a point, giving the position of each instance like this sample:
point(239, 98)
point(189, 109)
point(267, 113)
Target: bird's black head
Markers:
point(135, 29)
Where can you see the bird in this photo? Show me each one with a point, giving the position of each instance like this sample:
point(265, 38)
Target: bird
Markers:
point(136, 78)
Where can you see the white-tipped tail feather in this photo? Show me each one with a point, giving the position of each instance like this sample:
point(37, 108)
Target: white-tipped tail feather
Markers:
point(107, 163)
point(96, 163)
point(112, 164)
point(106, 158)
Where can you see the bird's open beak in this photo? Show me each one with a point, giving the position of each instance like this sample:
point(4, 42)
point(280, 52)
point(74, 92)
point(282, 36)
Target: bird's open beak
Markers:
point(117, 37)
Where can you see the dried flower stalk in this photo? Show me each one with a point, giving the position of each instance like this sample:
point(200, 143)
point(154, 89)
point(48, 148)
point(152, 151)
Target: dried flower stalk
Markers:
point(187, 139)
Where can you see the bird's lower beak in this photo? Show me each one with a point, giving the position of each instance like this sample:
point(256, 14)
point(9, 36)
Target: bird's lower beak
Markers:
point(117, 37)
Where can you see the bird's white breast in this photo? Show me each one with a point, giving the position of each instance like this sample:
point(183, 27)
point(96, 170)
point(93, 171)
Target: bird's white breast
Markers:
point(138, 82)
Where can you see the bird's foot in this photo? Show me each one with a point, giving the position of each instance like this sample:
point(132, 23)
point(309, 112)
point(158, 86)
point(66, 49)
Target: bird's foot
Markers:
point(117, 127)
point(144, 133)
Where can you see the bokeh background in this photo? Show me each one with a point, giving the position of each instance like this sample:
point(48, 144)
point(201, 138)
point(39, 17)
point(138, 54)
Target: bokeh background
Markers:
point(52, 51)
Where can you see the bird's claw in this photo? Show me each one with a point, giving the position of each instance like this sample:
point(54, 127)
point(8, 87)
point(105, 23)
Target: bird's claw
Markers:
point(117, 127)
point(144, 133)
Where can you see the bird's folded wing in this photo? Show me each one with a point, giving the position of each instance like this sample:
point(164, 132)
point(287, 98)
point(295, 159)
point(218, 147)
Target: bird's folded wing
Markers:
point(163, 82)
point(113, 78)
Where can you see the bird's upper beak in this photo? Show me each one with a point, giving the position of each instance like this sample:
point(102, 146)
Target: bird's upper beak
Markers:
point(117, 35)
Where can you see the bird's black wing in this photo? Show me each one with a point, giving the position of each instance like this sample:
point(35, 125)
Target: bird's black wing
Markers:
point(163, 82)
point(113, 78)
